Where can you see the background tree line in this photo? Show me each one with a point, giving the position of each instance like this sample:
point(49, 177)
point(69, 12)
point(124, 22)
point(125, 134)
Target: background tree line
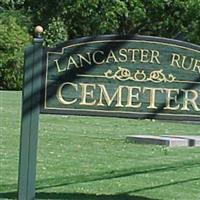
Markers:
point(67, 19)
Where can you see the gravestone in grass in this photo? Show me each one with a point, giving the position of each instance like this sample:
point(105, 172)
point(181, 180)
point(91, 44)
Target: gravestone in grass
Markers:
point(113, 76)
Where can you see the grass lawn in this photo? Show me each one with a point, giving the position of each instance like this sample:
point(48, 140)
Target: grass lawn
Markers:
point(87, 158)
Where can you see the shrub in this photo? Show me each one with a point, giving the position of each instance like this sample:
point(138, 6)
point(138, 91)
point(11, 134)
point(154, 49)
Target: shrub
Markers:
point(55, 32)
point(13, 38)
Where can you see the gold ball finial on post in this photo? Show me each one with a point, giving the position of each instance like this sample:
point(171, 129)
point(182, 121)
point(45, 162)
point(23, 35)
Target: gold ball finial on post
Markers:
point(38, 31)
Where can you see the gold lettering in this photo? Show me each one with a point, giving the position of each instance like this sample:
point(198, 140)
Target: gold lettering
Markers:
point(85, 94)
point(171, 99)
point(132, 96)
point(184, 63)
point(152, 96)
point(58, 66)
point(94, 57)
point(71, 61)
point(190, 99)
point(123, 54)
point(60, 96)
point(155, 56)
point(133, 51)
point(87, 60)
point(104, 93)
point(111, 56)
point(196, 66)
point(175, 60)
point(144, 56)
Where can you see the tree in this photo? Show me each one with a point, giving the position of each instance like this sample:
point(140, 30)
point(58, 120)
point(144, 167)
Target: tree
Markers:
point(166, 18)
point(11, 4)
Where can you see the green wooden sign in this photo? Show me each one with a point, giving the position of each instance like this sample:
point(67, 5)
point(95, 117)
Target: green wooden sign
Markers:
point(137, 77)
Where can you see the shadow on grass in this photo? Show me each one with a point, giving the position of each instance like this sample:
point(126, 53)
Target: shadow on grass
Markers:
point(165, 185)
point(8, 195)
point(82, 196)
point(108, 175)
point(77, 196)
point(57, 182)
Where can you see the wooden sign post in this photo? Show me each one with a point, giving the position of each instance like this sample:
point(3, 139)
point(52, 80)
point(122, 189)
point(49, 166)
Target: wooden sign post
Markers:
point(30, 118)
point(114, 76)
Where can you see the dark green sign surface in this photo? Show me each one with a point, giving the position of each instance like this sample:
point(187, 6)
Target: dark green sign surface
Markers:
point(137, 77)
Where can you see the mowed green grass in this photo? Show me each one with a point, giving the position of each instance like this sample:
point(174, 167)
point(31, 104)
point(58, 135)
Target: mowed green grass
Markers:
point(87, 158)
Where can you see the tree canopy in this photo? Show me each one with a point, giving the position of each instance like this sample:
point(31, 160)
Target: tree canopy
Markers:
point(167, 18)
point(67, 19)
